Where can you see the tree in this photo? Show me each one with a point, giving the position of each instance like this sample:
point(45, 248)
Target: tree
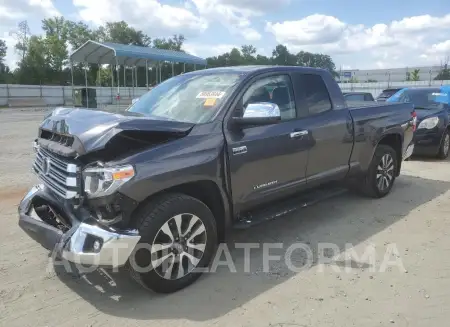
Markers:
point(22, 36)
point(444, 73)
point(35, 68)
point(78, 33)
point(121, 32)
point(5, 74)
point(175, 43)
point(45, 59)
point(248, 54)
point(415, 75)
point(56, 31)
point(3, 49)
point(317, 60)
point(282, 56)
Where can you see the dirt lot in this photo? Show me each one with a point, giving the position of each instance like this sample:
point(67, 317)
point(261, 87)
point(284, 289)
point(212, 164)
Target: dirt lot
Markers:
point(415, 218)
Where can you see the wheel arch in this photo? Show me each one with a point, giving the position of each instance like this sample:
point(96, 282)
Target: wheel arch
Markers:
point(394, 140)
point(205, 191)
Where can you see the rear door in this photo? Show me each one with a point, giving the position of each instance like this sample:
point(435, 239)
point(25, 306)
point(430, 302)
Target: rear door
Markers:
point(267, 162)
point(330, 129)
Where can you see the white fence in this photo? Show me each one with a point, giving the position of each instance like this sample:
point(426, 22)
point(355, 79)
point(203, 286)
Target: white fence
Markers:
point(376, 88)
point(61, 95)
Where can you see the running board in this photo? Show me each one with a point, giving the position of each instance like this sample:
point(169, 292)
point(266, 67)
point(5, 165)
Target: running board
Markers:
point(285, 207)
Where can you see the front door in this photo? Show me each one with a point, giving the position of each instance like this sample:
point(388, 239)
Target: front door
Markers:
point(267, 162)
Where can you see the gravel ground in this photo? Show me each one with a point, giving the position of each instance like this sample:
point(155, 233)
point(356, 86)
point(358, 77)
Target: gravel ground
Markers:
point(414, 291)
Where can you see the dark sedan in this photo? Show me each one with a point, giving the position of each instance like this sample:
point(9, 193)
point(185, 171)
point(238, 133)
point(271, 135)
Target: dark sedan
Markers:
point(432, 137)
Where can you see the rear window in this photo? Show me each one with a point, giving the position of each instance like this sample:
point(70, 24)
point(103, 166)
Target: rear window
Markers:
point(388, 93)
point(315, 93)
point(354, 97)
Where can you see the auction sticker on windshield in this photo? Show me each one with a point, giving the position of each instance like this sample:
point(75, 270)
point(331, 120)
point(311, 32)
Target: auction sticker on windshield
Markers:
point(210, 102)
point(210, 95)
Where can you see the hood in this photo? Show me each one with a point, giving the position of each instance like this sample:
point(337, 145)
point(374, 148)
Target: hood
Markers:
point(424, 113)
point(92, 129)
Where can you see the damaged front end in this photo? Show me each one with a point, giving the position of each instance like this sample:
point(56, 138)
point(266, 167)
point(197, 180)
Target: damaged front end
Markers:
point(77, 209)
point(72, 232)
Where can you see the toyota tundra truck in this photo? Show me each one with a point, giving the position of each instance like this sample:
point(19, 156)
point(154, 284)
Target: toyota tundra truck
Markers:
point(154, 189)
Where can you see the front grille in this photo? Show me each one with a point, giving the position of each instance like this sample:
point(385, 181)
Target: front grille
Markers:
point(57, 173)
point(63, 139)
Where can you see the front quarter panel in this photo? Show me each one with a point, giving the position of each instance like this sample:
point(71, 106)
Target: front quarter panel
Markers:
point(195, 157)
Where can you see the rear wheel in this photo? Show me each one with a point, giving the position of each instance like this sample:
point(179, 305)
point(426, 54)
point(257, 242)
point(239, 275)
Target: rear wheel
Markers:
point(445, 146)
point(178, 236)
point(380, 176)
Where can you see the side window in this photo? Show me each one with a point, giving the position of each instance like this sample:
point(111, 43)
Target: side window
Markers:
point(274, 89)
point(369, 97)
point(315, 93)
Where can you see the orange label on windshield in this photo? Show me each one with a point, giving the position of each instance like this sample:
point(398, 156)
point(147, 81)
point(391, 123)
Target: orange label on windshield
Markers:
point(210, 102)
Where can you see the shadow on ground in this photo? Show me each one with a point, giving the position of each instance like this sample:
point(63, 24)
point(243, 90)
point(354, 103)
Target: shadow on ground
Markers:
point(428, 159)
point(344, 219)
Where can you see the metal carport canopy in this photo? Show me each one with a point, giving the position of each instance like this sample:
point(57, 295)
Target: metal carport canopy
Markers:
point(129, 55)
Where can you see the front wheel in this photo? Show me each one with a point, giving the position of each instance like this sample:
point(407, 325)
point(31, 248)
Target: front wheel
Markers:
point(178, 238)
point(380, 177)
point(445, 146)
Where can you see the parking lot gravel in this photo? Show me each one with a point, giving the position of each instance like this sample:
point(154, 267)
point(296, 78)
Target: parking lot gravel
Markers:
point(405, 283)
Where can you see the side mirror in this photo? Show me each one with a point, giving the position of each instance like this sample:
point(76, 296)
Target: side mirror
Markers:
point(261, 113)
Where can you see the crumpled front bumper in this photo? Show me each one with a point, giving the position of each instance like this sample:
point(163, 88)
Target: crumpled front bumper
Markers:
point(86, 242)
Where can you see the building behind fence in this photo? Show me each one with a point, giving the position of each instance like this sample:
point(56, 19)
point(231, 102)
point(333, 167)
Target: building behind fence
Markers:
point(44, 95)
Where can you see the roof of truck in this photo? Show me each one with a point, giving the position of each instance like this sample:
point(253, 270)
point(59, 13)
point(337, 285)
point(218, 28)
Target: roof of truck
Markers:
point(254, 68)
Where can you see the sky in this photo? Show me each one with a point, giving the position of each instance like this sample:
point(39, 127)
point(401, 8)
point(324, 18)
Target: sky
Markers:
point(356, 34)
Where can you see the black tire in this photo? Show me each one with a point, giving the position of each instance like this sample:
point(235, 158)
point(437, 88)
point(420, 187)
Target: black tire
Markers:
point(369, 184)
point(150, 220)
point(444, 148)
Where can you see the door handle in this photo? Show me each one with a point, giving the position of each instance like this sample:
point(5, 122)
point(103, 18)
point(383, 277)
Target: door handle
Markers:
point(299, 134)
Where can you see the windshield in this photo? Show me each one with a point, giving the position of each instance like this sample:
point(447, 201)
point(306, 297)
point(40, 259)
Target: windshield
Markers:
point(191, 98)
point(430, 99)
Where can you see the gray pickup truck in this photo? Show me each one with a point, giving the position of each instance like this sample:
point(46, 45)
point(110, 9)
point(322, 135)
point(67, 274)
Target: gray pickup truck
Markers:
point(160, 185)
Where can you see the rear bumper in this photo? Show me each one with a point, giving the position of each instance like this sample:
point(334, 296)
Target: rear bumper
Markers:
point(86, 242)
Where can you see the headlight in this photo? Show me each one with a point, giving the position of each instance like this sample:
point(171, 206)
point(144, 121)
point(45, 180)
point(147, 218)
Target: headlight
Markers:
point(102, 181)
point(429, 123)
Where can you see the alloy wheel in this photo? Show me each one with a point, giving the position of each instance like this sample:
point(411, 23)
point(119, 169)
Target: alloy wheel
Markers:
point(178, 246)
point(385, 172)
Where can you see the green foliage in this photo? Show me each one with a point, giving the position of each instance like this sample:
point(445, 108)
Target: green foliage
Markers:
point(5, 74)
point(444, 74)
point(280, 56)
point(415, 75)
point(45, 59)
